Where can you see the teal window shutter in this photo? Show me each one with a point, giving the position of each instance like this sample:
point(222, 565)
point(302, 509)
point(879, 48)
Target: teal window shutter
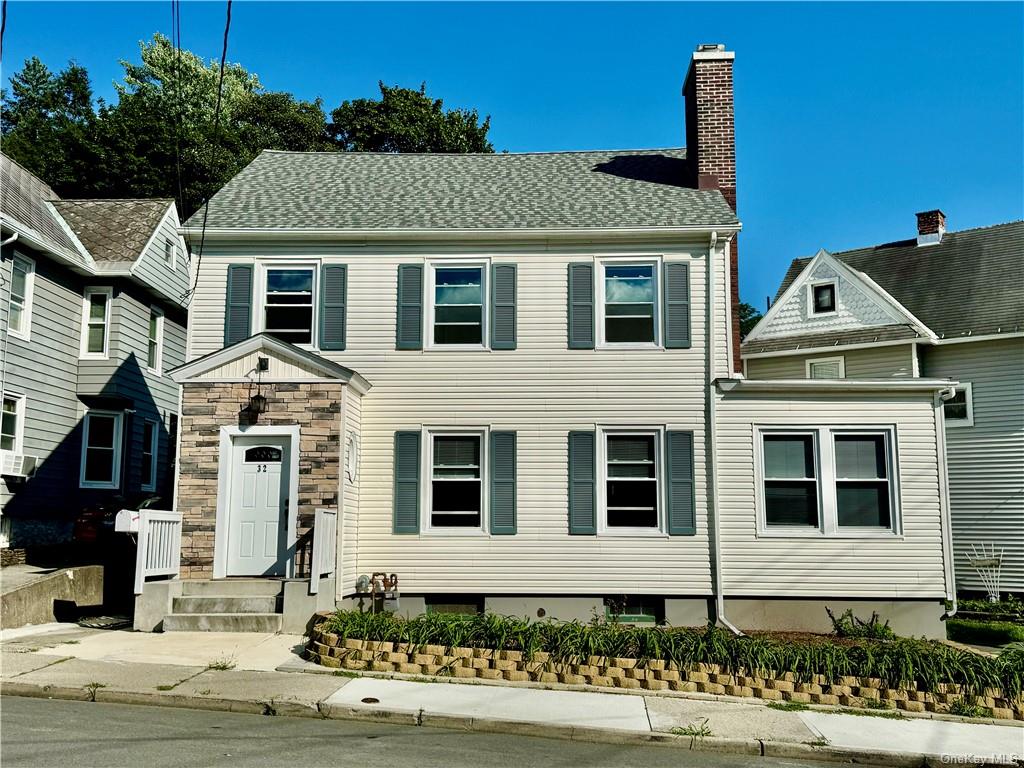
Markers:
point(409, 326)
point(503, 306)
point(503, 483)
point(238, 309)
point(677, 305)
point(581, 306)
point(582, 483)
point(333, 297)
point(682, 516)
point(407, 483)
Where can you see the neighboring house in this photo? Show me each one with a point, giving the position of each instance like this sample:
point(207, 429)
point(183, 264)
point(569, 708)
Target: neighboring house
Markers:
point(510, 377)
point(946, 305)
point(92, 317)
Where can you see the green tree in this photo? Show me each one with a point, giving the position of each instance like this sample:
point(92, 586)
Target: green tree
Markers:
point(749, 317)
point(405, 120)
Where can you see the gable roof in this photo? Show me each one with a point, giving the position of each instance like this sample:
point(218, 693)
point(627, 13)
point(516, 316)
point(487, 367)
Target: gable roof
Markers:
point(113, 230)
point(968, 284)
point(23, 201)
point(383, 191)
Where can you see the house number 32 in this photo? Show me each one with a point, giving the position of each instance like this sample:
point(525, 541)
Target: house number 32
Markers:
point(261, 467)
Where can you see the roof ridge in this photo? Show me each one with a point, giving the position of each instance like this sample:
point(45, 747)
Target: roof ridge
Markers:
point(907, 241)
point(112, 200)
point(471, 154)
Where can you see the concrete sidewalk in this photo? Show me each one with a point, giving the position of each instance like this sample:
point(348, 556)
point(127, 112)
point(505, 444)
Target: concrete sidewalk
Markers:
point(236, 673)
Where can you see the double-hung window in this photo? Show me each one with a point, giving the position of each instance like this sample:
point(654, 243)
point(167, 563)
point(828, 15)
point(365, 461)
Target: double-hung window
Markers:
point(959, 409)
point(12, 422)
point(155, 349)
point(150, 443)
point(96, 322)
point(835, 481)
point(289, 302)
point(458, 306)
point(629, 291)
point(22, 282)
point(456, 492)
point(632, 490)
point(101, 450)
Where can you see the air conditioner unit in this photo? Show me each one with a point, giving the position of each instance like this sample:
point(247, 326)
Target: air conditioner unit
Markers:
point(16, 464)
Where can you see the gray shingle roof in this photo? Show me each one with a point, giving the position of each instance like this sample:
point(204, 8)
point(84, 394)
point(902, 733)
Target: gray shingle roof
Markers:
point(113, 230)
point(23, 198)
point(558, 190)
point(971, 282)
point(832, 339)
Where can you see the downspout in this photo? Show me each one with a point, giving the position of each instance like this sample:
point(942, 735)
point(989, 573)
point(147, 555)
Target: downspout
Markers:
point(712, 443)
point(947, 521)
point(7, 317)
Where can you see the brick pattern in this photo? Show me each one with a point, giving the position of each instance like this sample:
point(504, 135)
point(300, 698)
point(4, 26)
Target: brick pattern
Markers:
point(931, 222)
point(711, 147)
point(315, 407)
point(330, 650)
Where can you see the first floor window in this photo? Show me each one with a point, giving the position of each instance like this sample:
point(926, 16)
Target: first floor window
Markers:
point(101, 450)
point(22, 276)
point(959, 410)
point(456, 481)
point(459, 305)
point(631, 480)
point(828, 480)
point(150, 436)
point(97, 322)
point(154, 352)
point(288, 304)
point(630, 292)
point(12, 419)
point(823, 298)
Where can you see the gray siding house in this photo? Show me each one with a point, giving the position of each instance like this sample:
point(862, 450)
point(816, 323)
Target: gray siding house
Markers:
point(946, 305)
point(91, 318)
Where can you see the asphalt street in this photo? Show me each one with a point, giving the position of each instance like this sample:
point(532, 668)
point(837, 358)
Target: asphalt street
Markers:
point(44, 733)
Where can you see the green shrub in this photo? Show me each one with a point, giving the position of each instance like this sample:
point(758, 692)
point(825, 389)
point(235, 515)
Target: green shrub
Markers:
point(965, 707)
point(1011, 606)
point(897, 662)
point(984, 632)
point(849, 625)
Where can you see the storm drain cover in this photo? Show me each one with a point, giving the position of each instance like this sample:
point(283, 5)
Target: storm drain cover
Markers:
point(105, 622)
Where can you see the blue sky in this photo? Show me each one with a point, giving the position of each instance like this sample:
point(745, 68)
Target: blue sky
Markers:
point(850, 117)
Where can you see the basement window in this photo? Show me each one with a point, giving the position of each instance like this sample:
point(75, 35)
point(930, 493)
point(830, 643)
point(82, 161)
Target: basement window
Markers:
point(455, 605)
point(634, 609)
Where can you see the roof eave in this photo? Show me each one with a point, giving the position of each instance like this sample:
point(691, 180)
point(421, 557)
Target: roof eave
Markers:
point(727, 385)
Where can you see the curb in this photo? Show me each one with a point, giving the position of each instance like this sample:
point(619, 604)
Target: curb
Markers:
point(716, 744)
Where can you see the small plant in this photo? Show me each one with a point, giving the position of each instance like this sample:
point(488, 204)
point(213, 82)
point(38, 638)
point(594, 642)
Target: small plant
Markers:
point(269, 709)
point(848, 625)
point(788, 706)
point(72, 642)
point(206, 692)
point(165, 687)
point(819, 742)
point(979, 632)
point(888, 714)
point(697, 731)
point(344, 673)
point(875, 704)
point(222, 663)
point(92, 688)
point(966, 708)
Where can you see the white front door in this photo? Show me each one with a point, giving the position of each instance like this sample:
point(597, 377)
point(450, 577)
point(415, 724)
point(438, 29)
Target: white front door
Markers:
point(257, 512)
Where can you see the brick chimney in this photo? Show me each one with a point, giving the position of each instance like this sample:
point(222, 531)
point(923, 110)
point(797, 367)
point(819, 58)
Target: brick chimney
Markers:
point(931, 226)
point(711, 145)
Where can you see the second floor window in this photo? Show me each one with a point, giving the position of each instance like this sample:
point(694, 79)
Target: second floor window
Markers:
point(288, 305)
point(169, 252)
point(154, 353)
point(458, 305)
point(96, 329)
point(22, 277)
point(629, 292)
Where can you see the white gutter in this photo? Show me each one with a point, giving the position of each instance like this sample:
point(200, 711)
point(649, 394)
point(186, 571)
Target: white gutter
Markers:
point(945, 512)
point(712, 444)
point(833, 385)
point(837, 346)
point(7, 317)
point(454, 233)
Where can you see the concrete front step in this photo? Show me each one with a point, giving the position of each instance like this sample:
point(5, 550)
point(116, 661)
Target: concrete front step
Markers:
point(232, 588)
point(225, 604)
point(223, 622)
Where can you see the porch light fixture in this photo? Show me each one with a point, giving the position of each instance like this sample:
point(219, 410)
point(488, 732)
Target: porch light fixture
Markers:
point(257, 403)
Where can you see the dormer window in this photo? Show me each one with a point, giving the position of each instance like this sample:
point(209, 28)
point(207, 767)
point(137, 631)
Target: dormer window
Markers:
point(823, 298)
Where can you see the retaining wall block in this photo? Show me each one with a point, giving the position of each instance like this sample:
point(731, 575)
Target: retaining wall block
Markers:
point(464, 672)
point(652, 684)
point(798, 696)
point(570, 679)
point(409, 669)
point(515, 675)
point(711, 688)
point(739, 690)
point(382, 666)
point(489, 674)
point(668, 675)
point(769, 694)
point(683, 685)
point(911, 706)
point(626, 682)
point(505, 665)
point(613, 672)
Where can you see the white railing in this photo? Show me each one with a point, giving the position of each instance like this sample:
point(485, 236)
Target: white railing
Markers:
point(159, 552)
point(325, 547)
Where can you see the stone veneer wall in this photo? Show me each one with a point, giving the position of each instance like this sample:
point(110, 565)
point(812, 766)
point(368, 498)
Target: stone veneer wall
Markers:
point(315, 407)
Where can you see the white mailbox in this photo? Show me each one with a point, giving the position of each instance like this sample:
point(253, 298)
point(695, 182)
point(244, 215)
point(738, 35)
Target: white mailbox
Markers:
point(127, 521)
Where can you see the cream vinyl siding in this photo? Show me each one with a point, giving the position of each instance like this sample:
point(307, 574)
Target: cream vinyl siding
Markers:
point(910, 566)
point(873, 363)
point(542, 390)
point(349, 524)
point(245, 366)
point(986, 461)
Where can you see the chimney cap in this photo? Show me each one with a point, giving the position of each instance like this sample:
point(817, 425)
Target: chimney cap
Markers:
point(704, 47)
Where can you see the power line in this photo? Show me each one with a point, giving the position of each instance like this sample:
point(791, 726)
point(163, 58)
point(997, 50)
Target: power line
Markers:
point(176, 43)
point(3, 26)
point(213, 150)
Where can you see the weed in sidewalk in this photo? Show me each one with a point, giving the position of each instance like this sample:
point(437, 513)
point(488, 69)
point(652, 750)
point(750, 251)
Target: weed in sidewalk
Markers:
point(344, 673)
point(167, 687)
point(819, 742)
point(92, 688)
point(788, 706)
point(696, 730)
point(889, 714)
point(222, 664)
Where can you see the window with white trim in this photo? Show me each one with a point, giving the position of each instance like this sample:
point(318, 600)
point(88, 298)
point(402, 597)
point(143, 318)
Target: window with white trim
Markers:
point(836, 481)
point(12, 422)
point(150, 450)
point(170, 251)
point(101, 449)
point(19, 318)
point(96, 322)
point(155, 349)
point(628, 296)
point(456, 488)
point(289, 306)
point(458, 305)
point(959, 410)
point(631, 480)
point(822, 298)
point(826, 368)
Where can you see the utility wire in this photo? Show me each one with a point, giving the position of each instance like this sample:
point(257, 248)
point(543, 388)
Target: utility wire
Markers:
point(176, 43)
point(3, 26)
point(213, 149)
